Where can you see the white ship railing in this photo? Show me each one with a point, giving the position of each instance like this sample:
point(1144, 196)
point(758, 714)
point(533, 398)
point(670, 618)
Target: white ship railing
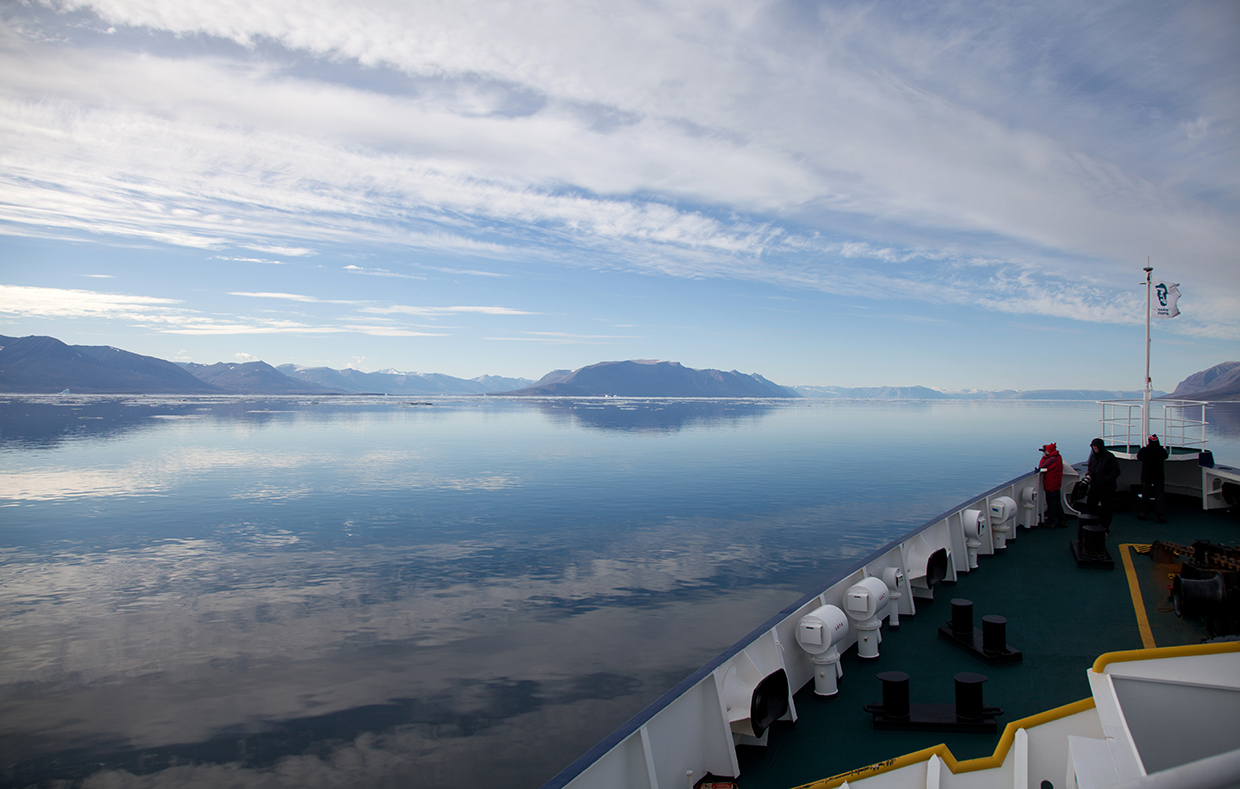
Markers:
point(1181, 424)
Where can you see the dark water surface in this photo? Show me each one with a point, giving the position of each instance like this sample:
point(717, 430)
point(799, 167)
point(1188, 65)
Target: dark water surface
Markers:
point(437, 593)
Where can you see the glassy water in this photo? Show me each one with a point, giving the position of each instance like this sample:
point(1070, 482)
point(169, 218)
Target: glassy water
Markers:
point(439, 593)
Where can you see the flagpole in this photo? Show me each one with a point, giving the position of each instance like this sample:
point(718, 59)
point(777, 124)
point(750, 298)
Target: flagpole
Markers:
point(1145, 408)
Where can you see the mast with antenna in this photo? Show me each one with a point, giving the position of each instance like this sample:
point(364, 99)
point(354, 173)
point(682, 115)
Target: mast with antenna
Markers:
point(1145, 408)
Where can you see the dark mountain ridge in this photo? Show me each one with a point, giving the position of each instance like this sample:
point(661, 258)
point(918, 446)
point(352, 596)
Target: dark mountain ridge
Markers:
point(45, 364)
point(648, 378)
point(1220, 382)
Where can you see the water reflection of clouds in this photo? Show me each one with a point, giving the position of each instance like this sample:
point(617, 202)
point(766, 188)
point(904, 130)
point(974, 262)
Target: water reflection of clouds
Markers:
point(267, 592)
point(33, 421)
point(147, 475)
point(269, 629)
point(270, 493)
point(58, 484)
point(445, 704)
point(266, 476)
point(480, 727)
point(654, 416)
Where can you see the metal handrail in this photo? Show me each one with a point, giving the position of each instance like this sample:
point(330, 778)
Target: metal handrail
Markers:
point(1181, 424)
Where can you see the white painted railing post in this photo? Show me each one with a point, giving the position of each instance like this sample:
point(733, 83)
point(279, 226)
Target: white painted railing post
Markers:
point(1020, 760)
point(649, 754)
point(934, 772)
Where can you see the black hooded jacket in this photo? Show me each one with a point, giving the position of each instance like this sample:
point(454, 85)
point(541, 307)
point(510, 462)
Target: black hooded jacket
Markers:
point(1103, 469)
point(1152, 456)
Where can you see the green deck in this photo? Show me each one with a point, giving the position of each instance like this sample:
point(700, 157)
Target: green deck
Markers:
point(1060, 616)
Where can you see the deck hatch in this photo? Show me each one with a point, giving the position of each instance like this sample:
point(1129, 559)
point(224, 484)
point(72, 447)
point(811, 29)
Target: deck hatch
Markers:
point(1174, 723)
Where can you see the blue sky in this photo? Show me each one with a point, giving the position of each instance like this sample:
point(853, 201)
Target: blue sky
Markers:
point(958, 195)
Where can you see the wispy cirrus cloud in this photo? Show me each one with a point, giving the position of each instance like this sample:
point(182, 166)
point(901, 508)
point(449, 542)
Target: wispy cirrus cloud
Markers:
point(432, 312)
point(562, 338)
point(293, 297)
point(379, 272)
point(164, 316)
point(249, 260)
point(467, 272)
point(280, 296)
point(225, 328)
point(24, 301)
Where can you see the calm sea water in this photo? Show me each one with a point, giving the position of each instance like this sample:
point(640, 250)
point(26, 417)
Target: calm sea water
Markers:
point(443, 593)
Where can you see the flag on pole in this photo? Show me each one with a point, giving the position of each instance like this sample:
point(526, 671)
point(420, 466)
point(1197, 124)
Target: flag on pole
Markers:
point(1166, 294)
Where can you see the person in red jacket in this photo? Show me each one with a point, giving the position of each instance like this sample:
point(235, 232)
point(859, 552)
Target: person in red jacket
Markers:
point(1051, 469)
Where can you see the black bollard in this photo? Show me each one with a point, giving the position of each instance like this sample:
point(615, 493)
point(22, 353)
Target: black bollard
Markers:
point(895, 694)
point(962, 616)
point(1093, 541)
point(969, 696)
point(1090, 545)
point(994, 633)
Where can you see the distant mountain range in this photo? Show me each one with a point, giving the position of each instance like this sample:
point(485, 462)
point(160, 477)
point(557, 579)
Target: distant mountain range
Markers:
point(251, 378)
point(1220, 382)
point(924, 393)
point(46, 365)
point(395, 382)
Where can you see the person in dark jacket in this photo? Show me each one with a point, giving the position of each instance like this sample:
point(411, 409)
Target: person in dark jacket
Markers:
point(1153, 479)
point(1051, 469)
point(1102, 474)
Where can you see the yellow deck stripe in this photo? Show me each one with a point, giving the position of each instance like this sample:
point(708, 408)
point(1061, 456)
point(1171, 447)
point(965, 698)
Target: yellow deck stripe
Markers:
point(943, 752)
point(1188, 650)
point(1143, 621)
